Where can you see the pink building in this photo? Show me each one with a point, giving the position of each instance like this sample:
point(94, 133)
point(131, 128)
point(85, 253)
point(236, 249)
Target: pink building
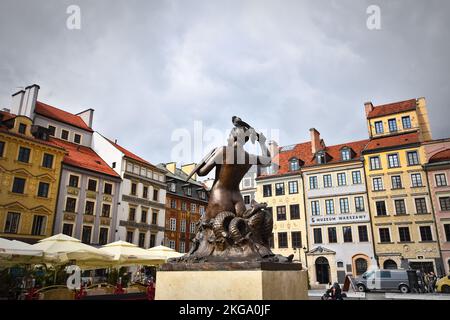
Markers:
point(438, 169)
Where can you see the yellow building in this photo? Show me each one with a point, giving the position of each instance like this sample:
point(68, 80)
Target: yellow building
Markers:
point(30, 167)
point(401, 210)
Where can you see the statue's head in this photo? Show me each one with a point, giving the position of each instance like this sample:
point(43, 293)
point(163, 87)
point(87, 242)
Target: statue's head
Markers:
point(238, 137)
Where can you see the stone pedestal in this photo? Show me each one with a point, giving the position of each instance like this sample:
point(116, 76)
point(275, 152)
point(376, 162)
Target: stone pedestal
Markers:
point(232, 281)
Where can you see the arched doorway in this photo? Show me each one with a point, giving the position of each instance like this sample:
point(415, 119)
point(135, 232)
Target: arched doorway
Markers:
point(322, 270)
point(389, 264)
point(360, 266)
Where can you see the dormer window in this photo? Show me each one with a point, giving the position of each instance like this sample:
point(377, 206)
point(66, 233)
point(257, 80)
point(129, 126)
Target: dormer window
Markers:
point(172, 187)
point(321, 158)
point(189, 191)
point(345, 154)
point(22, 128)
point(294, 164)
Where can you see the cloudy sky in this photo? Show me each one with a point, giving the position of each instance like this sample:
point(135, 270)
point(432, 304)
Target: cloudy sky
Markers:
point(151, 68)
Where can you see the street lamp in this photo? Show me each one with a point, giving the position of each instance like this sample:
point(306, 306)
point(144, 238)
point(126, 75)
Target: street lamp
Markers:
point(299, 253)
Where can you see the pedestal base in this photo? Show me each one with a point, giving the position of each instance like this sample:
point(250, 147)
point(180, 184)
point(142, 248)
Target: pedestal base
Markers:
point(232, 285)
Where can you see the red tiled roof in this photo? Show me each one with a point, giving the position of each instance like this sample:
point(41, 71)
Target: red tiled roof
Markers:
point(392, 108)
point(440, 156)
point(61, 115)
point(83, 157)
point(129, 154)
point(7, 115)
point(303, 152)
point(391, 141)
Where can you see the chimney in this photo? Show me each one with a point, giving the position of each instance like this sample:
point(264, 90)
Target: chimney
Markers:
point(171, 166)
point(29, 101)
point(274, 152)
point(17, 101)
point(316, 144)
point(187, 168)
point(368, 106)
point(87, 116)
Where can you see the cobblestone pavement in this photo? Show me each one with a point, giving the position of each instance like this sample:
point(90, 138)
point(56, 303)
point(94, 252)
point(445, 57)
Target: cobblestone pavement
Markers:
point(316, 295)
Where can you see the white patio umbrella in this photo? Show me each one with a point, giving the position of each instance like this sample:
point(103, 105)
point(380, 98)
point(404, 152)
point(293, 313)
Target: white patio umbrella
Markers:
point(16, 252)
point(163, 253)
point(126, 254)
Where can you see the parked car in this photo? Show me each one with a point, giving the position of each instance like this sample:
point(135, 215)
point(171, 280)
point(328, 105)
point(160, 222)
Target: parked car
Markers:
point(443, 284)
point(383, 280)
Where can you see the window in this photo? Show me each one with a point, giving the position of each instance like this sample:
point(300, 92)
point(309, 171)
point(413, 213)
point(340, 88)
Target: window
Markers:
point(24, 155)
point(385, 236)
point(173, 203)
point(2, 148)
point(356, 177)
point(416, 180)
point(406, 122)
point(267, 190)
point(332, 235)
point(182, 247)
point(425, 233)
point(38, 227)
point(447, 232)
point(172, 244)
point(293, 187)
point(375, 163)
point(107, 188)
point(71, 204)
point(189, 191)
point(392, 123)
point(404, 235)
point(193, 208)
point(89, 207)
point(152, 240)
point(173, 224)
point(296, 239)
point(343, 203)
point(345, 154)
point(141, 239)
point(327, 182)
point(359, 204)
point(379, 127)
point(86, 234)
point(155, 194)
point(202, 195)
point(18, 185)
point(51, 130)
point(317, 235)
point(183, 206)
point(282, 240)
point(132, 214)
point(130, 236)
point(421, 205)
point(106, 210)
point(133, 188)
point(103, 236)
point(413, 158)
point(279, 189)
point(281, 213)
point(313, 184)
point(144, 216)
point(377, 184)
point(12, 222)
point(145, 192)
point(64, 134)
point(246, 199)
point(73, 181)
point(22, 128)
point(47, 160)
point(321, 159)
point(342, 179)
point(441, 180)
point(172, 187)
point(445, 203)
point(363, 234)
point(202, 211)
point(294, 165)
point(183, 226)
point(77, 138)
point(43, 189)
point(192, 227)
point(381, 208)
point(400, 208)
point(329, 205)
point(315, 208)
point(67, 229)
point(92, 185)
point(154, 217)
point(396, 182)
point(393, 161)
point(295, 211)
point(347, 232)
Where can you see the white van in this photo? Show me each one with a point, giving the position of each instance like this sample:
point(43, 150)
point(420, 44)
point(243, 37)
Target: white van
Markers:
point(383, 280)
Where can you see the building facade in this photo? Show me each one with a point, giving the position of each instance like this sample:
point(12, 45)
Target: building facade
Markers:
point(248, 186)
point(337, 211)
point(30, 168)
point(186, 203)
point(438, 171)
point(142, 194)
point(400, 204)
